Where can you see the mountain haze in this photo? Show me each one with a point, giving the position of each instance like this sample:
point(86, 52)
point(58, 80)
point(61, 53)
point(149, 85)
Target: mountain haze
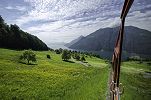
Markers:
point(74, 41)
point(136, 40)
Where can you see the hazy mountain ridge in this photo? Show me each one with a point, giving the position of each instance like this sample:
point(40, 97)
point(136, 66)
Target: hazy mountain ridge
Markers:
point(136, 40)
point(74, 41)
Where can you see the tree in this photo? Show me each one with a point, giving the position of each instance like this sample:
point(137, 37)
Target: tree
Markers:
point(1, 22)
point(60, 50)
point(82, 58)
point(15, 29)
point(1, 19)
point(57, 51)
point(12, 37)
point(29, 56)
point(77, 56)
point(66, 55)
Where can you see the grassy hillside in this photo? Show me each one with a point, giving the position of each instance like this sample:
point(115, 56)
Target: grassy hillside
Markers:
point(51, 79)
point(136, 78)
point(55, 79)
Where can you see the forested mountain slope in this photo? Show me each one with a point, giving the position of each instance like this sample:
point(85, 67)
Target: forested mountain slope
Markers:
point(12, 37)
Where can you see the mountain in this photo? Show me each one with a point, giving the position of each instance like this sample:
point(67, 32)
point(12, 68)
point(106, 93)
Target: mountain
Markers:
point(136, 41)
point(74, 41)
point(12, 37)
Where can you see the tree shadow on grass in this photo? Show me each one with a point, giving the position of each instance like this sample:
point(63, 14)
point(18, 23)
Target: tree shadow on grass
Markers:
point(27, 63)
point(68, 61)
point(85, 62)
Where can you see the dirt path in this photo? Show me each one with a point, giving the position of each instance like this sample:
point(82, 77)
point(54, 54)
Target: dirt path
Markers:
point(80, 62)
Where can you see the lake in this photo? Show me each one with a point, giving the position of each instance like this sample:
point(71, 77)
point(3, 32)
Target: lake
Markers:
point(57, 45)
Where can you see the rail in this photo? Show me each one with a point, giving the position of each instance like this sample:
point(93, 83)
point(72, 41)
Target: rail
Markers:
point(116, 88)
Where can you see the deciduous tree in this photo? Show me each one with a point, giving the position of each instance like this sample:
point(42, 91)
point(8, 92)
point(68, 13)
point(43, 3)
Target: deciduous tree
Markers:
point(66, 55)
point(28, 55)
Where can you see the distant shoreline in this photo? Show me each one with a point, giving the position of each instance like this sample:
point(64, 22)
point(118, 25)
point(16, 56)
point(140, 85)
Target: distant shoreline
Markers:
point(57, 46)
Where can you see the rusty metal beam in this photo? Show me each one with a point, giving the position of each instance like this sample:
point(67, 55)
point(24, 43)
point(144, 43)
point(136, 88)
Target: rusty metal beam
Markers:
point(116, 59)
point(126, 8)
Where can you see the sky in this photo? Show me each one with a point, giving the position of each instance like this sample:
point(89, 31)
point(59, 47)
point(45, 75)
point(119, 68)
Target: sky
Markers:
point(55, 21)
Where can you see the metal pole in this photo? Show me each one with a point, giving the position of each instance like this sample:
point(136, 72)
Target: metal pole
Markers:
point(116, 59)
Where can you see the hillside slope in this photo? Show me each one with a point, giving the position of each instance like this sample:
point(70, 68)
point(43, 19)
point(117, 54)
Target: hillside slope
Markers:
point(51, 79)
point(74, 41)
point(136, 40)
point(13, 37)
point(54, 79)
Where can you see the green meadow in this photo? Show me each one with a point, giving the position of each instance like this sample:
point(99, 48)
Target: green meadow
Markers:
point(136, 79)
point(54, 79)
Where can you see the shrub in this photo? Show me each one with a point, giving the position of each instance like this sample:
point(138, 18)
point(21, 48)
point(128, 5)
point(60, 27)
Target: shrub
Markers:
point(48, 56)
point(83, 59)
point(134, 58)
point(76, 56)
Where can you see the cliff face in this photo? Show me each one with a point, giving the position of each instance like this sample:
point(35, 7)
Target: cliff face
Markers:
point(136, 40)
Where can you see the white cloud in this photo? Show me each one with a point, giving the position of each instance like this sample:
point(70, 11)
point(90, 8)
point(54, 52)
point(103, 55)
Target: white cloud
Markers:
point(65, 31)
point(141, 20)
point(9, 7)
point(63, 20)
point(65, 9)
point(139, 15)
point(114, 22)
point(19, 8)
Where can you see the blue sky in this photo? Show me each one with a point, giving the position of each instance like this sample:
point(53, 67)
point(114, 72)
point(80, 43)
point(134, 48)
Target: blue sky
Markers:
point(64, 20)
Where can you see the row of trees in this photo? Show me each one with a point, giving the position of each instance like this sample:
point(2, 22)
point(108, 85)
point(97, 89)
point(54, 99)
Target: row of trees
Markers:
point(67, 54)
point(76, 53)
point(30, 56)
point(138, 58)
point(12, 37)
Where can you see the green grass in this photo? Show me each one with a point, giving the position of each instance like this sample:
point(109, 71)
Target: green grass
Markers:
point(51, 79)
point(54, 79)
point(136, 86)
